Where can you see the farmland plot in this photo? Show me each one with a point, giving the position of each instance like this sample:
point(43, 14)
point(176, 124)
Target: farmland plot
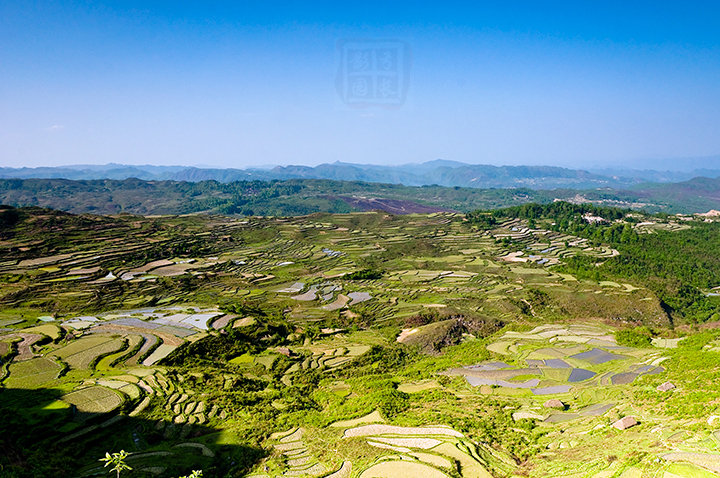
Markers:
point(81, 353)
point(32, 373)
point(94, 399)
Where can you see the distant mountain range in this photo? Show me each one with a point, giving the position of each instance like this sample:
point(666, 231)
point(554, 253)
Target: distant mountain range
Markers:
point(439, 172)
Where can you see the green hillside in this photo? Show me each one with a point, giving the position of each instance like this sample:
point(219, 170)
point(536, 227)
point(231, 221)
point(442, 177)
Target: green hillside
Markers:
point(305, 196)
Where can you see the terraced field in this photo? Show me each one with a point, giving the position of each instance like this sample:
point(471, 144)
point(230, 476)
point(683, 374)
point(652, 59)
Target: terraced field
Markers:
point(350, 345)
point(419, 451)
point(32, 373)
point(544, 247)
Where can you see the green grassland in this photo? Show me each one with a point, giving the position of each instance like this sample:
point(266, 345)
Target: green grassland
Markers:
point(353, 344)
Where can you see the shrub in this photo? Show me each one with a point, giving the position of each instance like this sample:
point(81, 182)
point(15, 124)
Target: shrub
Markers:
point(638, 337)
point(392, 402)
point(364, 274)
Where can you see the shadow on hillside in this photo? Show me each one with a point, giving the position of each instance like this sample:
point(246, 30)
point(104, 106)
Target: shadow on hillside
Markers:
point(40, 438)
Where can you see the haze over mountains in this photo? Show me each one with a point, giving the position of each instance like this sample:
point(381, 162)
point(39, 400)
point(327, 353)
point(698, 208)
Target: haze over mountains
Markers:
point(438, 172)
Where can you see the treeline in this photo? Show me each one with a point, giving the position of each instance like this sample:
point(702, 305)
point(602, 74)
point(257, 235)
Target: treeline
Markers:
point(567, 218)
point(248, 198)
point(676, 265)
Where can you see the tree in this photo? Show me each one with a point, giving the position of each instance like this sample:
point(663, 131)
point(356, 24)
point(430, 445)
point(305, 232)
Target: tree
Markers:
point(194, 474)
point(117, 460)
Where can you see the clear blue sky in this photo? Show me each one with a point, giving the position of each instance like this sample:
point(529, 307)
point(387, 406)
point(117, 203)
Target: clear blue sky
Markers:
point(241, 83)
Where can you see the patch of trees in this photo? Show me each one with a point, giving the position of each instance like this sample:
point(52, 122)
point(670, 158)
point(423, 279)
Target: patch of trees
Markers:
point(245, 308)
point(392, 402)
point(567, 218)
point(218, 349)
point(481, 219)
point(640, 337)
point(9, 216)
point(378, 360)
point(560, 210)
point(364, 274)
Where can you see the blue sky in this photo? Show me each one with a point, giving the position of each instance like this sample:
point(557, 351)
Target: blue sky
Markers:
point(255, 83)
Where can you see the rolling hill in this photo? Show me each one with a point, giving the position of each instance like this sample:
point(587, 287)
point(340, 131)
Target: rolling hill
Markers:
point(295, 197)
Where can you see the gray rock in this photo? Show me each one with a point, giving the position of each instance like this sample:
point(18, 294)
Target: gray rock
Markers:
point(554, 404)
point(665, 387)
point(625, 423)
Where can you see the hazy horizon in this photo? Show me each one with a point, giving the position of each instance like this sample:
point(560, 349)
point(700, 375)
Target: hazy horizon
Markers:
point(237, 86)
point(651, 164)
